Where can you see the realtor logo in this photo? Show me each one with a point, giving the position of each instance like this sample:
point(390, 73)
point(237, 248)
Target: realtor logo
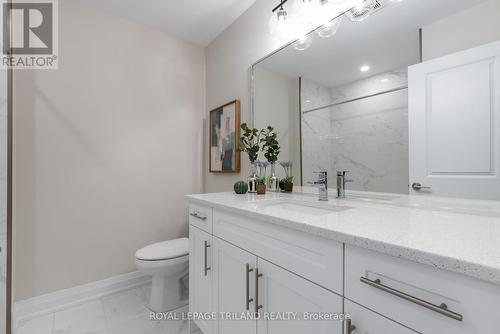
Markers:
point(29, 34)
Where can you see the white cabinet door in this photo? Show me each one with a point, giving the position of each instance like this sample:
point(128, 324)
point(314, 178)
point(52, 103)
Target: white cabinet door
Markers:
point(366, 322)
point(280, 291)
point(200, 276)
point(454, 124)
point(234, 288)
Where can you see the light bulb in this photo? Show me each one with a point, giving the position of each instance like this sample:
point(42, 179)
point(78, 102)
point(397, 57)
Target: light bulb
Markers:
point(329, 29)
point(303, 43)
point(361, 10)
point(278, 21)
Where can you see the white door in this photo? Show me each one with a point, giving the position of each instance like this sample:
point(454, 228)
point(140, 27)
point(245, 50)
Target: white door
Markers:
point(200, 277)
point(454, 125)
point(280, 291)
point(365, 321)
point(234, 288)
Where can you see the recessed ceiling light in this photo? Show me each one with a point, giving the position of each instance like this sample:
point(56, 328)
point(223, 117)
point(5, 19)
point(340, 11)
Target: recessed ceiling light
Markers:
point(364, 68)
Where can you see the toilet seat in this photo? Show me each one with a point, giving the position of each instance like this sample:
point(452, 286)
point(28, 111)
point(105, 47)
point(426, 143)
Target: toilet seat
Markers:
point(165, 250)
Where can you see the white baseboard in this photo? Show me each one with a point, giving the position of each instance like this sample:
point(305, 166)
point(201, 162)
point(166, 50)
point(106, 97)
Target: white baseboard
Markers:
point(52, 302)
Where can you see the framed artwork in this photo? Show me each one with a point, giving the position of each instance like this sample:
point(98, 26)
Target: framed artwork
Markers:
point(224, 138)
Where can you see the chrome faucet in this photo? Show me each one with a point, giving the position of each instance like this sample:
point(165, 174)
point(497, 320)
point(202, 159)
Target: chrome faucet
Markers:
point(322, 186)
point(341, 181)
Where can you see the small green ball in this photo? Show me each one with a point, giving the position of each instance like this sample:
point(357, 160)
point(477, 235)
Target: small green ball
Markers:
point(241, 187)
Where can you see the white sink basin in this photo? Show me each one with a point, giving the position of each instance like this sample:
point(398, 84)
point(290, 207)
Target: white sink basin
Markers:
point(302, 208)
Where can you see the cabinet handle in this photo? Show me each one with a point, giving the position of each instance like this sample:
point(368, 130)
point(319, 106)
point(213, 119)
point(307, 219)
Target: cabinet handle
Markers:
point(441, 309)
point(198, 216)
point(257, 276)
point(205, 267)
point(349, 327)
point(248, 299)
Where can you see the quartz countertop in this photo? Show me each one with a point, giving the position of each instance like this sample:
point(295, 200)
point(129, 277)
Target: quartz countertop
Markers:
point(459, 235)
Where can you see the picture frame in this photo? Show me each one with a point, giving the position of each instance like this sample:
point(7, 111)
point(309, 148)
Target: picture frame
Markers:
point(224, 137)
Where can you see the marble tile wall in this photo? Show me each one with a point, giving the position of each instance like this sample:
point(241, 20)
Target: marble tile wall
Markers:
point(368, 138)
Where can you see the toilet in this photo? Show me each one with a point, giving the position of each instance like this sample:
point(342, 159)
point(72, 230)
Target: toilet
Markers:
point(168, 263)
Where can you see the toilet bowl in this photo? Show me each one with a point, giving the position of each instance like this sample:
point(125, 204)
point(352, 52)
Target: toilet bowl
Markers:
point(168, 263)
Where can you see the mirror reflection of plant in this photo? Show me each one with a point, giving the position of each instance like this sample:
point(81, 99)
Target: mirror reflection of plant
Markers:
point(271, 146)
point(250, 142)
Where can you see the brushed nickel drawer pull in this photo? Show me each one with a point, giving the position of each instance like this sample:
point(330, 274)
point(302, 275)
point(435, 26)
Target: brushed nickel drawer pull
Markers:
point(206, 268)
point(349, 327)
point(441, 309)
point(197, 215)
point(248, 299)
point(257, 276)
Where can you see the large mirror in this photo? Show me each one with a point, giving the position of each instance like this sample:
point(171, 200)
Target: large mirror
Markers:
point(341, 103)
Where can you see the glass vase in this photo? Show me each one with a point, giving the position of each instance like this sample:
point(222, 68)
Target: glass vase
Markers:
point(252, 179)
point(273, 181)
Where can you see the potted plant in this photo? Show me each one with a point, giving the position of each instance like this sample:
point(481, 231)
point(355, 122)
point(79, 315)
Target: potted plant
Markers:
point(250, 143)
point(286, 184)
point(261, 185)
point(271, 149)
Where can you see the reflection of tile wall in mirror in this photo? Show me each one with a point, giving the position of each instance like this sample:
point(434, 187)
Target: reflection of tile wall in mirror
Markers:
point(368, 137)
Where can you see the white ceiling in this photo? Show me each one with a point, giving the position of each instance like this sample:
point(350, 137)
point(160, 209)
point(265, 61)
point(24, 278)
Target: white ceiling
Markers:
point(196, 21)
point(387, 40)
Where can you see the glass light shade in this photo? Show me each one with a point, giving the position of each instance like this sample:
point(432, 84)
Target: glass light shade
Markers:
point(330, 28)
point(278, 22)
point(304, 42)
point(361, 10)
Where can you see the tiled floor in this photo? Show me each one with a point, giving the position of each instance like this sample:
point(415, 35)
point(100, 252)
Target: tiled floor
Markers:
point(121, 313)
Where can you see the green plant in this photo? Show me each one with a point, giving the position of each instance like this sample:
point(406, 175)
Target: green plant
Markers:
point(250, 142)
point(261, 180)
point(270, 144)
point(287, 180)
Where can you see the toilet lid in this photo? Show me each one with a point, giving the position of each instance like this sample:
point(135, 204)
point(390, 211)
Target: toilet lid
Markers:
point(164, 250)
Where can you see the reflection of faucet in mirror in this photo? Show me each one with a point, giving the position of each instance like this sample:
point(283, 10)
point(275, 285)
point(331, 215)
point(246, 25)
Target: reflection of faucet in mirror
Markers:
point(341, 181)
point(322, 186)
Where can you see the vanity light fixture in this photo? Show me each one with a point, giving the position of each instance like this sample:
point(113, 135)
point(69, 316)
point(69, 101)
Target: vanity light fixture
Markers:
point(365, 68)
point(330, 28)
point(361, 10)
point(307, 15)
point(304, 42)
point(278, 21)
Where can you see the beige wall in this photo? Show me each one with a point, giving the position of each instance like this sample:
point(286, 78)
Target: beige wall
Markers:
point(105, 149)
point(229, 58)
point(470, 28)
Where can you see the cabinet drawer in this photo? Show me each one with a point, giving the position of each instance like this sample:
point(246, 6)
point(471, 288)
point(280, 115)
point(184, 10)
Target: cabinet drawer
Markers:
point(368, 322)
point(316, 259)
point(201, 217)
point(411, 294)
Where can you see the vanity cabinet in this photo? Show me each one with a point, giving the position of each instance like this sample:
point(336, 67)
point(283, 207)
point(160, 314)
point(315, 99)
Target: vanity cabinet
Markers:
point(282, 291)
point(245, 283)
point(419, 296)
point(365, 321)
point(250, 266)
point(234, 287)
point(200, 276)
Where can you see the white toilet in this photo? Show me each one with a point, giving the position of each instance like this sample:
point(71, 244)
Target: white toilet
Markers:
point(168, 263)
